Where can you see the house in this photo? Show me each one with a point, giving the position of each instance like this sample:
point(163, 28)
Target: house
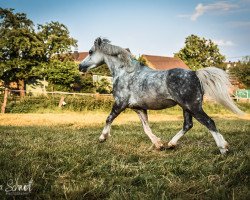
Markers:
point(163, 63)
point(99, 78)
point(79, 56)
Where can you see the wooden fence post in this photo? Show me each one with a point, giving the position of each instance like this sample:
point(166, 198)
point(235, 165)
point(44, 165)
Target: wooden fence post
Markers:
point(6, 91)
point(61, 102)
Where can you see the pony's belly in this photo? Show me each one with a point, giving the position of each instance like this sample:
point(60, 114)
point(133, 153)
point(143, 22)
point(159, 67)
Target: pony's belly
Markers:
point(158, 105)
point(152, 104)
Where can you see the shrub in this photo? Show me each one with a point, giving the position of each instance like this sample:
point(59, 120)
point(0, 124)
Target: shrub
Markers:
point(49, 103)
point(103, 87)
point(31, 104)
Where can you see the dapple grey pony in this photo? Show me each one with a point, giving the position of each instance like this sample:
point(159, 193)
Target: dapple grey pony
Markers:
point(141, 88)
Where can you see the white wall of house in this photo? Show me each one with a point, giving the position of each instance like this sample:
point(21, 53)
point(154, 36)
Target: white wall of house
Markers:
point(98, 78)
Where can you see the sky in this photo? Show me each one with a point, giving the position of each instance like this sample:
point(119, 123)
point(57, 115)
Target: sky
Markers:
point(155, 27)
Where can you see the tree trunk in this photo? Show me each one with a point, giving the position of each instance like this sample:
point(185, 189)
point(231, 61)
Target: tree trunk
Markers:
point(21, 87)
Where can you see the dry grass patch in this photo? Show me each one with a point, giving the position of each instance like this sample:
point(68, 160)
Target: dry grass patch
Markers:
point(91, 118)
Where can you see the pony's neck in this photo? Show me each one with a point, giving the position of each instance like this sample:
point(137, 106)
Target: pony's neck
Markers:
point(118, 68)
point(114, 65)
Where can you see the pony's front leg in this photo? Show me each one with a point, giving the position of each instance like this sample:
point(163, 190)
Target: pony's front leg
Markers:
point(116, 110)
point(144, 120)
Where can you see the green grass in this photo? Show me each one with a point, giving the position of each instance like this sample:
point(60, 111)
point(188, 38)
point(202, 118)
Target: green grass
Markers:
point(67, 162)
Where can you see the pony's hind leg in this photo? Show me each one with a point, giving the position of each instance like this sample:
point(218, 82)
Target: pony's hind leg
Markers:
point(204, 119)
point(187, 125)
point(144, 120)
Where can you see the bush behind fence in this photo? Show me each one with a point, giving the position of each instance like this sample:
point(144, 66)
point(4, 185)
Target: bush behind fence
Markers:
point(30, 104)
point(49, 103)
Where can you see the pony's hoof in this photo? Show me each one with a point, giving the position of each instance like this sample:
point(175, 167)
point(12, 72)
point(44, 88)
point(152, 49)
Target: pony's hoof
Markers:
point(223, 151)
point(171, 145)
point(102, 139)
point(160, 146)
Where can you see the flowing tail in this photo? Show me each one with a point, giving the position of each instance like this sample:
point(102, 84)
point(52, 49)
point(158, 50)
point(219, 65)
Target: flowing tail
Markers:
point(216, 84)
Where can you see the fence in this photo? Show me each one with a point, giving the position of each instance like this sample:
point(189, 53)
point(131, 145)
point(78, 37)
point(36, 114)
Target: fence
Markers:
point(64, 93)
point(9, 93)
point(74, 101)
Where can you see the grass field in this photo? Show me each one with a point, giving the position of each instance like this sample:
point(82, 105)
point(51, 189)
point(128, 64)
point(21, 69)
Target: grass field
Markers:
point(62, 155)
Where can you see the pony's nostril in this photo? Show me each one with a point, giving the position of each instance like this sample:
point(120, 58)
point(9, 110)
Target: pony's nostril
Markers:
point(82, 68)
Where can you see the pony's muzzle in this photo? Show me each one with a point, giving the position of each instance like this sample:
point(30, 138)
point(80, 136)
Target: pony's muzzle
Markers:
point(82, 68)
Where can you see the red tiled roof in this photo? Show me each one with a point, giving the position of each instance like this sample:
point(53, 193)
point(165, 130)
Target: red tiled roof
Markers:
point(162, 62)
point(82, 55)
point(79, 56)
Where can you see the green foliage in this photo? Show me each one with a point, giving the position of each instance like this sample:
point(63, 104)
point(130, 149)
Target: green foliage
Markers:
point(62, 73)
point(103, 86)
point(101, 70)
point(26, 54)
point(32, 104)
point(86, 84)
point(142, 60)
point(242, 71)
point(59, 69)
point(56, 39)
point(20, 47)
point(222, 66)
point(200, 52)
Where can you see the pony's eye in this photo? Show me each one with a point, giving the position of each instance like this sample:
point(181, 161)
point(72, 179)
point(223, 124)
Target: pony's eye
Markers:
point(90, 52)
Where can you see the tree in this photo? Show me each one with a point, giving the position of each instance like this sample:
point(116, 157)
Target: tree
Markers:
point(58, 67)
point(25, 53)
point(56, 39)
point(142, 60)
point(200, 52)
point(86, 84)
point(102, 70)
point(62, 74)
point(242, 71)
point(20, 48)
point(103, 86)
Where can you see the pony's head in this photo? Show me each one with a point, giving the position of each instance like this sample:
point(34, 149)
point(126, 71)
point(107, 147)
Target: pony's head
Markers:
point(95, 57)
point(99, 50)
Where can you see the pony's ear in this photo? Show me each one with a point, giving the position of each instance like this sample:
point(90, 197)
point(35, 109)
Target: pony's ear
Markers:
point(98, 42)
